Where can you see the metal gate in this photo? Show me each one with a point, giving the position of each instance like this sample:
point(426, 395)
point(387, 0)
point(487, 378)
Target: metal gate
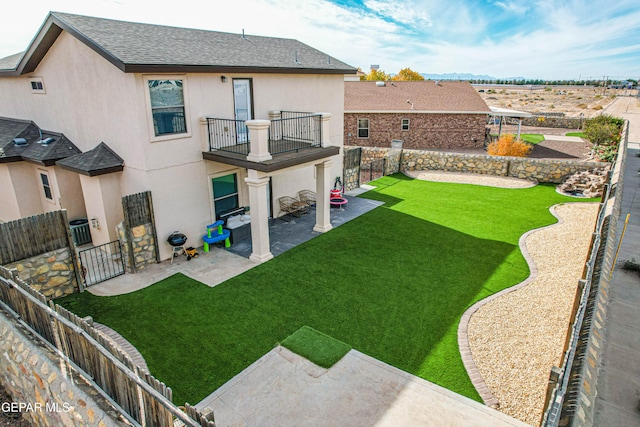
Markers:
point(372, 170)
point(101, 263)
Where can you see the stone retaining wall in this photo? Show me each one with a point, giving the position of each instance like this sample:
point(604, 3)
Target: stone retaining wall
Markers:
point(41, 392)
point(541, 170)
point(50, 273)
point(554, 122)
point(143, 245)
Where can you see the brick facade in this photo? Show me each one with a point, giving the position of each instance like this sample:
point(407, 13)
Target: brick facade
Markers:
point(426, 130)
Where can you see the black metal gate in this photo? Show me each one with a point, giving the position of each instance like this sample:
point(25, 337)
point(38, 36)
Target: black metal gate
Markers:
point(372, 170)
point(101, 263)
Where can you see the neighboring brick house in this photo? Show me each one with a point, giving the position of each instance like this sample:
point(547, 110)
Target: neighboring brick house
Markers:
point(424, 114)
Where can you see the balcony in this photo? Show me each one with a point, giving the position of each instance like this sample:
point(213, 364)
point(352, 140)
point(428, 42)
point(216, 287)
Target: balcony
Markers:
point(289, 138)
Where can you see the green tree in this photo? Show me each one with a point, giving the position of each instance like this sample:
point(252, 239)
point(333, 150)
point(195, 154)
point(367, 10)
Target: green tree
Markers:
point(407, 74)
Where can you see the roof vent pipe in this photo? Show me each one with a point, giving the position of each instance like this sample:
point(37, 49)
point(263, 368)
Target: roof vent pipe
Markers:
point(19, 142)
point(380, 84)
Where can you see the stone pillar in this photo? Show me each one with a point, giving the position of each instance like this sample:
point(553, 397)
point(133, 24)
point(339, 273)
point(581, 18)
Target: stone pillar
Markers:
point(259, 140)
point(261, 250)
point(323, 185)
point(323, 122)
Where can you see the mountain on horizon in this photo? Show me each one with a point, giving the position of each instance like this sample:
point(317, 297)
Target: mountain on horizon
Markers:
point(464, 76)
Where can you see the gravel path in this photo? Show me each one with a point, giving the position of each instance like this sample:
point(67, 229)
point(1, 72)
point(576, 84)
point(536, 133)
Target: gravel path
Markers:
point(517, 335)
point(516, 338)
point(470, 178)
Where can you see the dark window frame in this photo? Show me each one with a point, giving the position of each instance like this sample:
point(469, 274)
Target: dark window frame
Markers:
point(363, 132)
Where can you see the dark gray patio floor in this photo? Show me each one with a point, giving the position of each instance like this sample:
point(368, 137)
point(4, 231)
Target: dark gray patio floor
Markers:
point(285, 235)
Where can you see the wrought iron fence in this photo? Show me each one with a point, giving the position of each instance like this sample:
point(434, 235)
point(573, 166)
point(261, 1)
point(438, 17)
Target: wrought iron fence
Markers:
point(295, 132)
point(228, 135)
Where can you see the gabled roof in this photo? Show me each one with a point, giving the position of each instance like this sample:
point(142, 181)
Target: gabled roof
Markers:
point(57, 145)
point(135, 47)
point(99, 161)
point(413, 97)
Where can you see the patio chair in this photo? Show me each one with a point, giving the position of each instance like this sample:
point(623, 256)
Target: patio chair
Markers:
point(292, 207)
point(308, 197)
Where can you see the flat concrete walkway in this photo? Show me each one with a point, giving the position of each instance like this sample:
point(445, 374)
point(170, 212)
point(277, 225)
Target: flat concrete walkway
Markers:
point(563, 138)
point(618, 384)
point(284, 389)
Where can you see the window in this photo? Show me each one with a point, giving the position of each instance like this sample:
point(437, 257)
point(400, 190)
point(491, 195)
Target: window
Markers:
point(167, 107)
point(225, 193)
point(46, 186)
point(405, 124)
point(363, 128)
point(37, 85)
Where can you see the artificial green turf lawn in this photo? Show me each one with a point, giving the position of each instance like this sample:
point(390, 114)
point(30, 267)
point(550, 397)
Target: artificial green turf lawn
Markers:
point(532, 138)
point(579, 134)
point(319, 348)
point(392, 283)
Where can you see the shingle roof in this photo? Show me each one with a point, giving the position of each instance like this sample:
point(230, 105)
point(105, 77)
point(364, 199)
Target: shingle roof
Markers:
point(136, 47)
point(99, 161)
point(48, 154)
point(13, 128)
point(413, 96)
point(58, 147)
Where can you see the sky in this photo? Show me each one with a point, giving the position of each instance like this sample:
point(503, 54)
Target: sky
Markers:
point(542, 39)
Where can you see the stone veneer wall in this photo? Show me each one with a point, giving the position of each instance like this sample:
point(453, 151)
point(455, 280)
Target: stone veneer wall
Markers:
point(541, 170)
point(554, 122)
point(143, 245)
point(31, 374)
point(50, 273)
point(426, 130)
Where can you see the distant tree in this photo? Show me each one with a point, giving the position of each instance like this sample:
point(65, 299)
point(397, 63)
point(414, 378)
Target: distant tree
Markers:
point(407, 74)
point(375, 75)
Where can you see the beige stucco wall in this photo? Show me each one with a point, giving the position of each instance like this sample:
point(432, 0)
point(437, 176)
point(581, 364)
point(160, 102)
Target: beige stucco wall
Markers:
point(70, 193)
point(90, 100)
point(103, 202)
point(9, 208)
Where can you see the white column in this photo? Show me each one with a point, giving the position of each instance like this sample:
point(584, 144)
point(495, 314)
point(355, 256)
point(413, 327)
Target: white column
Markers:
point(261, 250)
point(259, 139)
point(324, 120)
point(519, 129)
point(323, 185)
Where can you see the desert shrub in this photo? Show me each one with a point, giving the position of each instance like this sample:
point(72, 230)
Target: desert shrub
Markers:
point(507, 145)
point(598, 107)
point(583, 106)
point(598, 96)
point(604, 132)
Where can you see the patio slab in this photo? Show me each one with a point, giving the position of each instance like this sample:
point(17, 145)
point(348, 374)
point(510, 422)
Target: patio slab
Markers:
point(219, 264)
point(285, 389)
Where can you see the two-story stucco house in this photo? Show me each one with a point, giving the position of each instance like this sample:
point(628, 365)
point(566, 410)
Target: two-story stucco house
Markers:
point(206, 121)
point(423, 114)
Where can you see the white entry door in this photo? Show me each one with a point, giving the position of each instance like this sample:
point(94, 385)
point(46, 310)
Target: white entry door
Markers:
point(242, 101)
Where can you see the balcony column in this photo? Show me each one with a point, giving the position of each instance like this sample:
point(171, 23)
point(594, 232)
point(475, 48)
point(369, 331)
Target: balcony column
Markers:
point(323, 208)
point(323, 120)
point(259, 140)
point(261, 249)
point(275, 115)
point(204, 127)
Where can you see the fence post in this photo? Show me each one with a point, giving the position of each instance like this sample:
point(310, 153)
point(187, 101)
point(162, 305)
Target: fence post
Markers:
point(72, 252)
point(153, 225)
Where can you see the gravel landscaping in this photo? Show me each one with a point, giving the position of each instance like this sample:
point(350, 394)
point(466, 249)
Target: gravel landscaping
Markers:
point(516, 339)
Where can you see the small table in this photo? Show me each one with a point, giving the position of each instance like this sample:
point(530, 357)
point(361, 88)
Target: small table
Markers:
point(338, 202)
